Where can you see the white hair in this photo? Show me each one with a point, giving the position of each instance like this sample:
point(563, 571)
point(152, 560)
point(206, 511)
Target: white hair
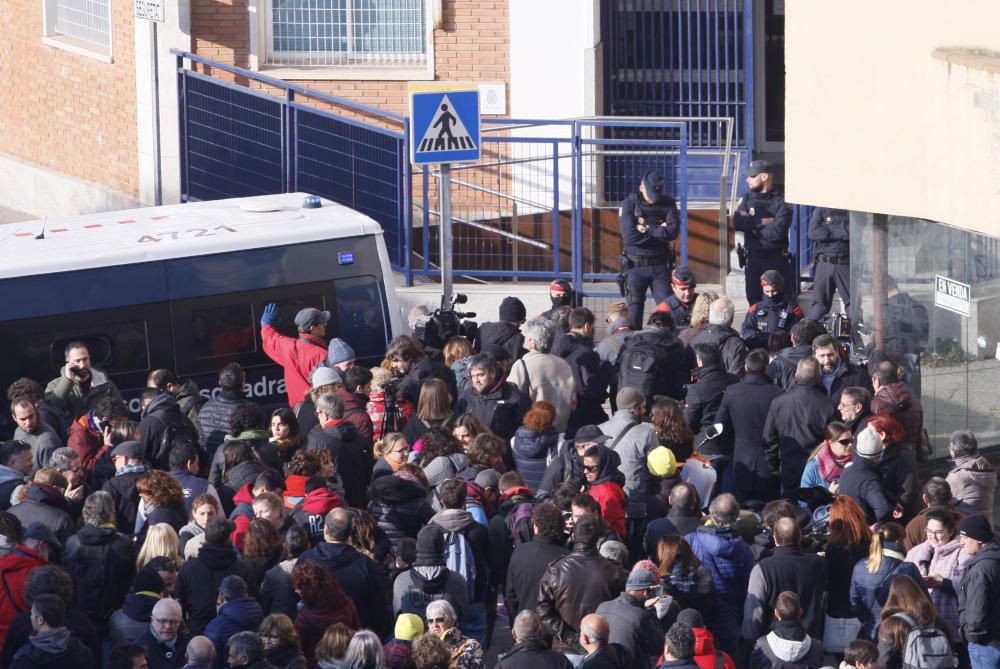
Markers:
point(721, 311)
point(442, 608)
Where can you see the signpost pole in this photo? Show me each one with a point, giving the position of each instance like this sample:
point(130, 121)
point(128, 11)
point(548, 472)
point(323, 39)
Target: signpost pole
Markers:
point(155, 72)
point(445, 236)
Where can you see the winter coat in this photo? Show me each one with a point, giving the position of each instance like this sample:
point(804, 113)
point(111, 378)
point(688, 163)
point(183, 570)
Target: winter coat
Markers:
point(10, 480)
point(288, 655)
point(632, 449)
point(461, 521)
point(46, 505)
point(423, 369)
point(840, 561)
point(846, 375)
point(412, 591)
point(532, 654)
point(782, 368)
point(788, 568)
point(973, 480)
point(544, 376)
point(376, 412)
point(608, 493)
point(311, 624)
point(611, 656)
point(193, 487)
point(42, 442)
point(102, 564)
point(901, 480)
point(311, 512)
point(351, 453)
point(673, 359)
point(360, 578)
point(862, 482)
point(505, 335)
point(123, 491)
point(356, 412)
point(869, 591)
point(131, 621)
point(259, 566)
point(501, 408)
point(734, 349)
point(979, 597)
point(86, 442)
point(57, 648)
point(213, 419)
point(14, 570)
point(795, 424)
point(728, 559)
point(160, 654)
point(591, 379)
point(527, 565)
point(198, 582)
point(743, 413)
point(239, 615)
point(276, 592)
point(701, 404)
point(677, 521)
point(20, 632)
point(161, 413)
point(705, 654)
point(399, 507)
point(898, 400)
point(572, 587)
point(235, 479)
point(949, 562)
point(787, 647)
point(69, 397)
point(297, 356)
point(768, 316)
point(531, 451)
point(635, 628)
point(466, 653)
point(916, 529)
point(259, 442)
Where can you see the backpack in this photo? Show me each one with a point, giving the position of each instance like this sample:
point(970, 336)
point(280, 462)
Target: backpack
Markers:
point(926, 647)
point(160, 455)
point(639, 366)
point(519, 525)
point(458, 557)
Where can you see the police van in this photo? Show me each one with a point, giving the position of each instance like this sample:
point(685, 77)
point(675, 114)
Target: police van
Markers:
point(183, 287)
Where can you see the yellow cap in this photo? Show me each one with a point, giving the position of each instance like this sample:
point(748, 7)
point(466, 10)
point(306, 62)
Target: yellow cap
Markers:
point(661, 462)
point(408, 627)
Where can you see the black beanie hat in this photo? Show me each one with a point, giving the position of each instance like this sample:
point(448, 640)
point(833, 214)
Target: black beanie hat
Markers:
point(512, 310)
point(977, 527)
point(430, 547)
point(148, 580)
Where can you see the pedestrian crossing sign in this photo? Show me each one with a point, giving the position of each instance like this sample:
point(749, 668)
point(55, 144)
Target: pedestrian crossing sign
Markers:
point(444, 126)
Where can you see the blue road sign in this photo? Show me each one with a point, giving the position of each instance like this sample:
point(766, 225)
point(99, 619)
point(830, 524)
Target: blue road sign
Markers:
point(444, 127)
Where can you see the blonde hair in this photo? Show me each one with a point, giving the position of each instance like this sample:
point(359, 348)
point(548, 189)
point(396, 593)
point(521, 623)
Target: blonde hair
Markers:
point(455, 349)
point(385, 444)
point(379, 376)
point(161, 541)
point(699, 312)
point(888, 532)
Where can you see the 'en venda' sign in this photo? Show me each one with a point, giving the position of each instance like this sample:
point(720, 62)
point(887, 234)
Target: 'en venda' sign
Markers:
point(952, 295)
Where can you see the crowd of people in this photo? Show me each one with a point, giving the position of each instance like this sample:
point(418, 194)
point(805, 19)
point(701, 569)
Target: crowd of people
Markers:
point(739, 506)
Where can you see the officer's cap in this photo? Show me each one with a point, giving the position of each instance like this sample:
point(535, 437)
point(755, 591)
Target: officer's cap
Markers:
point(758, 166)
point(682, 276)
point(655, 185)
point(773, 278)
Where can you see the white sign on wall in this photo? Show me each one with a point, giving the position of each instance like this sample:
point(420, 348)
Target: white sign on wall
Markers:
point(953, 295)
point(150, 10)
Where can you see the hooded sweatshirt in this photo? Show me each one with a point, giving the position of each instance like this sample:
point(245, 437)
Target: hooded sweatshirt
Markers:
point(787, 645)
point(608, 493)
point(462, 522)
point(973, 480)
point(705, 653)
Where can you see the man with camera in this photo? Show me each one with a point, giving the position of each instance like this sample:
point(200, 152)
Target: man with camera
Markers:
point(764, 218)
point(648, 221)
point(79, 386)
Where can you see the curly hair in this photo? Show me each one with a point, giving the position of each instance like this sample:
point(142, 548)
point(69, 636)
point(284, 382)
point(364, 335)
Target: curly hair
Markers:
point(318, 588)
point(486, 450)
point(404, 348)
point(430, 652)
point(699, 312)
point(246, 416)
point(161, 490)
point(668, 419)
point(305, 463)
point(262, 539)
point(25, 388)
point(438, 441)
point(540, 416)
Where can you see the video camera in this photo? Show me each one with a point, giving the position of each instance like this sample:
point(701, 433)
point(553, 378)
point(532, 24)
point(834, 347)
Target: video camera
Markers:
point(446, 323)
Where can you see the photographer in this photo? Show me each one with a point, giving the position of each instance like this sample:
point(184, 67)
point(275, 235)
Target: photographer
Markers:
point(648, 221)
point(79, 386)
point(409, 361)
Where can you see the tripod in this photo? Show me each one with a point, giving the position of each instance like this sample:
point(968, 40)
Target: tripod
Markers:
point(392, 418)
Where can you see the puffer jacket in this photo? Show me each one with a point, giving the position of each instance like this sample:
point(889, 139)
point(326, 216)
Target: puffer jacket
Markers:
point(70, 399)
point(240, 615)
point(213, 419)
point(572, 587)
point(101, 561)
point(131, 621)
point(399, 507)
point(632, 448)
point(896, 399)
point(948, 562)
point(973, 480)
point(531, 451)
point(500, 408)
point(869, 591)
point(729, 560)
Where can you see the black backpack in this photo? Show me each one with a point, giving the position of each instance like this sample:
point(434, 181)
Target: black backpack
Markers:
point(159, 454)
point(640, 365)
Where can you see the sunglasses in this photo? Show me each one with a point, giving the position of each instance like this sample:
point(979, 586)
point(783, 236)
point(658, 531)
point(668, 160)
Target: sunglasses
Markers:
point(845, 442)
point(591, 468)
point(437, 621)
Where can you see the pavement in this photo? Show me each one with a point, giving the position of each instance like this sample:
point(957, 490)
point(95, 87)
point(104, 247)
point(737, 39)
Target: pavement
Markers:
point(14, 216)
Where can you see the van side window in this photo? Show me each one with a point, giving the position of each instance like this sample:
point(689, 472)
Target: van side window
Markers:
point(360, 317)
point(224, 331)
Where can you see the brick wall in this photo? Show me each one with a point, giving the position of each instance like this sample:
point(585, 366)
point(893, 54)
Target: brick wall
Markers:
point(64, 111)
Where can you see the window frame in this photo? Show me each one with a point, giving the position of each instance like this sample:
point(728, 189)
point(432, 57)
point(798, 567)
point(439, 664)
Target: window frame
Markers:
point(71, 43)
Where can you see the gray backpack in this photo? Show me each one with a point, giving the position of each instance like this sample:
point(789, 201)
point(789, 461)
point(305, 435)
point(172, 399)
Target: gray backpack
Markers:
point(926, 647)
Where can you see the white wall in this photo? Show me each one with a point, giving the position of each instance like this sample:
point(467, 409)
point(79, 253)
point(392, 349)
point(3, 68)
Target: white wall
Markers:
point(875, 122)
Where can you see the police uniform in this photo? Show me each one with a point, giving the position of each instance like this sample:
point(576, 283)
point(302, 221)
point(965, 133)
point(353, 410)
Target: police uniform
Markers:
point(766, 246)
point(770, 314)
point(829, 231)
point(647, 231)
point(679, 311)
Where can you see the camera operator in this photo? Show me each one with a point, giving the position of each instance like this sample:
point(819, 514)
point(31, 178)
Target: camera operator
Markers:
point(648, 221)
point(79, 385)
point(409, 362)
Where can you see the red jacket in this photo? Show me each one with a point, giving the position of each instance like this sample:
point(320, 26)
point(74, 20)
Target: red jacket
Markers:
point(376, 411)
point(297, 356)
point(705, 653)
point(356, 414)
point(14, 570)
point(86, 442)
point(242, 515)
point(611, 497)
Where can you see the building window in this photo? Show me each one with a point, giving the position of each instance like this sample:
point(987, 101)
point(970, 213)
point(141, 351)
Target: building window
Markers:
point(347, 33)
point(79, 25)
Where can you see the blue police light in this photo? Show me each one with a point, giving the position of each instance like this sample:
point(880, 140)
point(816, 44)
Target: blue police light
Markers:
point(311, 202)
point(345, 258)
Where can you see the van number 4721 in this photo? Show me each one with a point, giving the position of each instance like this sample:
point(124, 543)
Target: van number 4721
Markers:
point(184, 234)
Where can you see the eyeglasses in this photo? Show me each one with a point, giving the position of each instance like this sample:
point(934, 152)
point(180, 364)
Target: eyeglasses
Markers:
point(936, 533)
point(591, 468)
point(845, 442)
point(437, 621)
point(167, 621)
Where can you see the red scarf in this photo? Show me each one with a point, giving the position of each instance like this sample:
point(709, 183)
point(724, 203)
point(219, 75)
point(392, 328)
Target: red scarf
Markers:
point(831, 467)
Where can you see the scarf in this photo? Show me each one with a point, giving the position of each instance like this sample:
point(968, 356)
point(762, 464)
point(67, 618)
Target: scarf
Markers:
point(249, 435)
point(830, 466)
point(52, 641)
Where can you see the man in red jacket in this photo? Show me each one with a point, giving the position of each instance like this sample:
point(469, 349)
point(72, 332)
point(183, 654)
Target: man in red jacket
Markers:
point(40, 544)
point(297, 355)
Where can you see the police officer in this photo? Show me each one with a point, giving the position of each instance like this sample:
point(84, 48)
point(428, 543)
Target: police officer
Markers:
point(829, 231)
point(764, 219)
point(681, 301)
point(649, 221)
point(771, 313)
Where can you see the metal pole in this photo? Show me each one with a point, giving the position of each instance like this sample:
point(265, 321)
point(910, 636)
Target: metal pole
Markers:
point(157, 168)
point(513, 229)
point(880, 272)
point(444, 185)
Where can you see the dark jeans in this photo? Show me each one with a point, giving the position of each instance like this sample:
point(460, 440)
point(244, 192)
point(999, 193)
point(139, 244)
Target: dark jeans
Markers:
point(640, 279)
